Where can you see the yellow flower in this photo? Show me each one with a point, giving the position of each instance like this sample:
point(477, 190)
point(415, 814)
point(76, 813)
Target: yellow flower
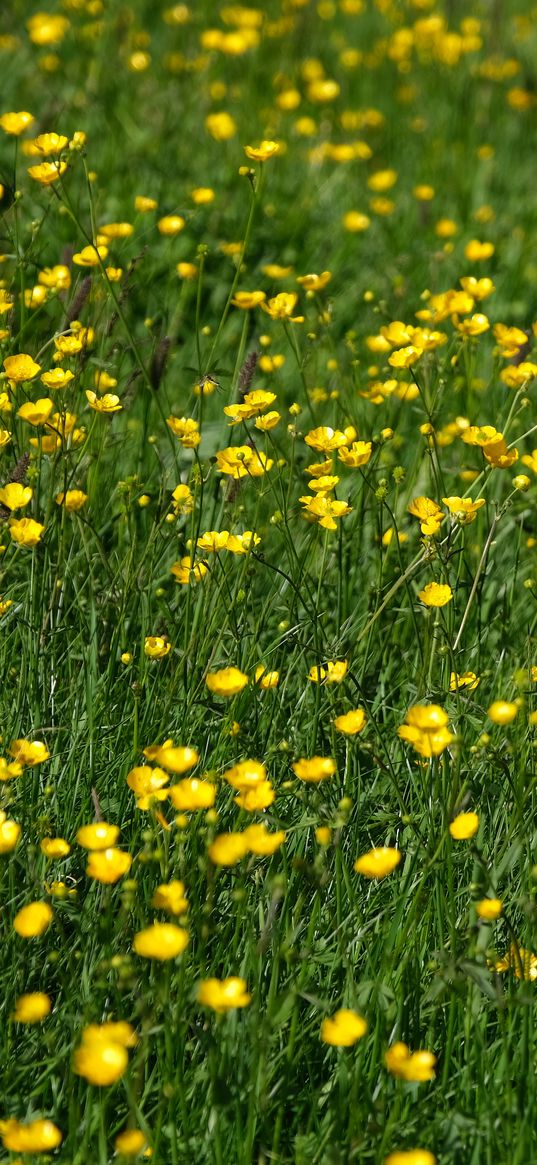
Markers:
point(351, 722)
point(223, 994)
point(410, 1157)
point(90, 256)
point(50, 143)
point(98, 836)
point(55, 847)
point(314, 769)
point(426, 729)
point(16, 123)
point(435, 594)
point(464, 826)
point(355, 221)
point(33, 920)
point(187, 571)
point(416, 1067)
point(108, 865)
point(241, 461)
point(109, 403)
point(157, 646)
point(39, 1136)
point(519, 960)
point(186, 431)
point(489, 909)
point(314, 282)
point(162, 941)
point(29, 752)
point(378, 862)
point(281, 307)
point(467, 679)
point(47, 172)
point(325, 440)
point(15, 496)
point(170, 896)
point(213, 540)
point(227, 849)
point(357, 454)
point(57, 278)
point(143, 204)
point(262, 152)
point(260, 841)
point(324, 510)
point(36, 412)
point(101, 1059)
point(73, 500)
point(475, 251)
point(343, 1029)
point(21, 368)
point(229, 681)
point(329, 673)
point(192, 794)
point(405, 357)
point(266, 679)
point(253, 403)
point(25, 531)
point(146, 783)
point(171, 224)
point(32, 1008)
point(175, 758)
point(246, 774)
point(10, 832)
point(221, 126)
point(130, 1142)
point(58, 378)
point(242, 543)
point(253, 800)
point(502, 712)
point(463, 510)
point(47, 28)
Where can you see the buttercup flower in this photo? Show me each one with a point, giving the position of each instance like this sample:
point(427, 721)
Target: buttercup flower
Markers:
point(464, 826)
point(378, 863)
point(161, 941)
point(343, 1029)
point(415, 1067)
point(435, 594)
point(229, 681)
point(32, 1008)
point(314, 769)
point(33, 920)
point(223, 994)
point(39, 1136)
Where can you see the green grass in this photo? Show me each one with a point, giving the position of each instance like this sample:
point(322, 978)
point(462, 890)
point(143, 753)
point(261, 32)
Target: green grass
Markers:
point(307, 933)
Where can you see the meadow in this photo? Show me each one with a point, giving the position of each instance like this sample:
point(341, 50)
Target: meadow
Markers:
point(268, 582)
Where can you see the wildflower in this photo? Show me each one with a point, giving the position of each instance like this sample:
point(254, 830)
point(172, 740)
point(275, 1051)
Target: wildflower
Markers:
point(186, 431)
point(429, 513)
point(102, 1056)
point(246, 774)
point(464, 826)
point(263, 152)
point(15, 496)
point(260, 841)
point(502, 712)
point(187, 270)
point(173, 757)
point(314, 282)
point(489, 909)
point(10, 832)
point(73, 500)
point(324, 510)
point(378, 863)
point(242, 543)
point(435, 594)
point(467, 679)
point(33, 920)
point(108, 865)
point(39, 1136)
point(476, 251)
point(21, 368)
point(266, 679)
point(157, 646)
point(314, 769)
point(246, 300)
point(90, 256)
point(242, 461)
point(16, 123)
point(46, 173)
point(463, 510)
point(405, 357)
point(281, 307)
point(358, 453)
point(25, 531)
point(188, 571)
point(29, 752)
point(415, 1067)
point(426, 729)
point(130, 1142)
point(221, 126)
point(227, 849)
point(98, 836)
point(109, 403)
point(519, 960)
point(55, 847)
point(170, 896)
point(343, 1029)
point(329, 673)
point(162, 941)
point(47, 28)
point(410, 1157)
point(253, 403)
point(350, 723)
point(32, 1008)
point(229, 681)
point(326, 440)
point(355, 221)
point(254, 800)
point(58, 378)
point(223, 994)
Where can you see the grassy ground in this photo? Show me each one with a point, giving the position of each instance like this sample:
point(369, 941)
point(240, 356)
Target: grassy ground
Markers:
point(399, 171)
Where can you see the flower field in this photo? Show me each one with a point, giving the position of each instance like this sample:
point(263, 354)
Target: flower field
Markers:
point(268, 582)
